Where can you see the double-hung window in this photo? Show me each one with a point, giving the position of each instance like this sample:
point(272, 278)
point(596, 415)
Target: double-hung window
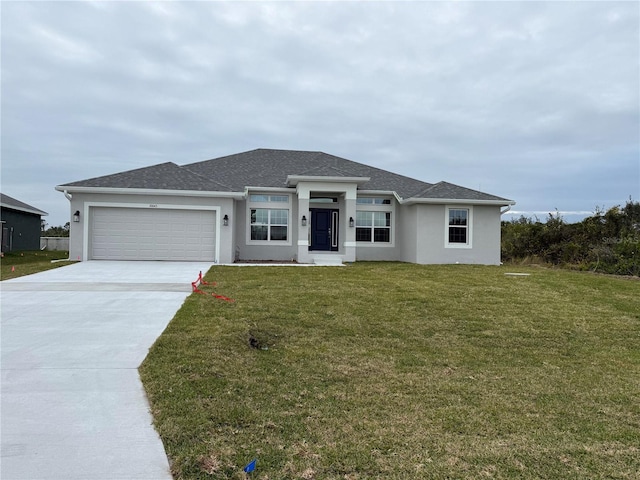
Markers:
point(458, 228)
point(269, 218)
point(373, 220)
point(373, 227)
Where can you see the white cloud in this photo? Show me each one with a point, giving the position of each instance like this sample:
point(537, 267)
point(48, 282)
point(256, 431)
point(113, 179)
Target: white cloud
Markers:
point(63, 46)
point(533, 101)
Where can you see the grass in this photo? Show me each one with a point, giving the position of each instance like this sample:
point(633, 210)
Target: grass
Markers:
point(18, 264)
point(399, 371)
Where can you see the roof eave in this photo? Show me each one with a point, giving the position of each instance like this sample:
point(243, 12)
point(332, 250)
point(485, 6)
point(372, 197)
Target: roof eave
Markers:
point(377, 192)
point(33, 211)
point(249, 188)
point(456, 201)
point(149, 191)
point(390, 193)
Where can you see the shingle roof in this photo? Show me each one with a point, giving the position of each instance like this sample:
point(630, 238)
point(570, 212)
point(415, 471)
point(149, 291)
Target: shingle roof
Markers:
point(10, 202)
point(270, 168)
point(449, 191)
point(165, 176)
point(327, 171)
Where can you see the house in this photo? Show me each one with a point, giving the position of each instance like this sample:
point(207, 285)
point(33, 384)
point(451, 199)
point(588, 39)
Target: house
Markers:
point(280, 205)
point(21, 225)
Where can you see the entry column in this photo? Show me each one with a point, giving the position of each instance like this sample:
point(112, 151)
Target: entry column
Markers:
point(303, 225)
point(350, 231)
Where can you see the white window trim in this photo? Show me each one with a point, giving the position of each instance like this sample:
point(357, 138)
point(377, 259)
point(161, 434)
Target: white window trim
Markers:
point(364, 207)
point(469, 243)
point(270, 206)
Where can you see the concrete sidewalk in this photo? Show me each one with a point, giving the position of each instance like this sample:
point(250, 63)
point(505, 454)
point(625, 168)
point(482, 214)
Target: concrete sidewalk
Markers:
point(72, 339)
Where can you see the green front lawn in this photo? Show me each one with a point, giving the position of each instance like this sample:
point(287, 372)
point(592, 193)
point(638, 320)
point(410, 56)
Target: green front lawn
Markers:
point(400, 371)
point(18, 264)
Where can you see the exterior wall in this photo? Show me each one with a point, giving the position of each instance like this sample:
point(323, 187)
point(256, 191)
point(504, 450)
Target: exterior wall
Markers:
point(245, 251)
point(418, 233)
point(79, 232)
point(487, 234)
point(408, 233)
point(23, 230)
point(385, 252)
point(431, 240)
point(377, 254)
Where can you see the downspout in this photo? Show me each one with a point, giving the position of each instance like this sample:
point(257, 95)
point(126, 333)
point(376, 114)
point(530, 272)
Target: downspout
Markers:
point(69, 197)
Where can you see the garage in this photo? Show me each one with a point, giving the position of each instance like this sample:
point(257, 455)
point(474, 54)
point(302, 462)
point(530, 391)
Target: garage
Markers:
point(152, 234)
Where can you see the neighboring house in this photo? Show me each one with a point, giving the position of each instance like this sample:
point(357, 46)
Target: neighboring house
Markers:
point(280, 205)
point(21, 225)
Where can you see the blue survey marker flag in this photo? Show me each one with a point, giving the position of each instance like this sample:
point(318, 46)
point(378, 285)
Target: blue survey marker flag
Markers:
point(251, 466)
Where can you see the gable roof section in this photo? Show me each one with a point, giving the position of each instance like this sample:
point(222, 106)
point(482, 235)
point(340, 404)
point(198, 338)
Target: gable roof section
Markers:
point(164, 176)
point(9, 202)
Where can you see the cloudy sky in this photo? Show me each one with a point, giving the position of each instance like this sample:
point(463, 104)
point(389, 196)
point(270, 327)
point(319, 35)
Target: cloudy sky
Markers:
point(537, 102)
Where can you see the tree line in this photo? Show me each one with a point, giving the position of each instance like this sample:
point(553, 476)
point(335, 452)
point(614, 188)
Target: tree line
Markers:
point(606, 242)
point(60, 231)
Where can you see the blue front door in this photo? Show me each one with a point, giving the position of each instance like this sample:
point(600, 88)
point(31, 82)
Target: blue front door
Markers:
point(324, 229)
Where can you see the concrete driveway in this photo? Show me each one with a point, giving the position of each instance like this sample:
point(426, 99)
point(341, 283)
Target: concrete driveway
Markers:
point(73, 406)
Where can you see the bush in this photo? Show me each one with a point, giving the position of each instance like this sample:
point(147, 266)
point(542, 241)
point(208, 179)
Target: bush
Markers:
point(606, 242)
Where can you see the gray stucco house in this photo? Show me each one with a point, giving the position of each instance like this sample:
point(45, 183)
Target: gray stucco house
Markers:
point(280, 205)
point(21, 225)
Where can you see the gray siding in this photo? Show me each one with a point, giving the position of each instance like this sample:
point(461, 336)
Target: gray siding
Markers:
point(22, 230)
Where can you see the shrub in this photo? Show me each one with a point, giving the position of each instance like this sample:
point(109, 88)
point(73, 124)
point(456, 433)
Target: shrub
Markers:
point(607, 242)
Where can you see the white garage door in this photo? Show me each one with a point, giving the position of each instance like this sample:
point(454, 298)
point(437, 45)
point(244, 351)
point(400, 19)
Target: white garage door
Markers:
point(152, 234)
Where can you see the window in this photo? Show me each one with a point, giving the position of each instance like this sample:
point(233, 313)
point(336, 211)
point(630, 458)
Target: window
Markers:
point(269, 198)
point(373, 227)
point(373, 201)
point(373, 221)
point(323, 200)
point(458, 230)
point(268, 224)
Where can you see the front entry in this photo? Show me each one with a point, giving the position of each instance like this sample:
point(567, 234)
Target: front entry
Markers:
point(324, 230)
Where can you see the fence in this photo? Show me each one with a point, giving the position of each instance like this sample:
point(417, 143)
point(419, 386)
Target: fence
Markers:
point(54, 243)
